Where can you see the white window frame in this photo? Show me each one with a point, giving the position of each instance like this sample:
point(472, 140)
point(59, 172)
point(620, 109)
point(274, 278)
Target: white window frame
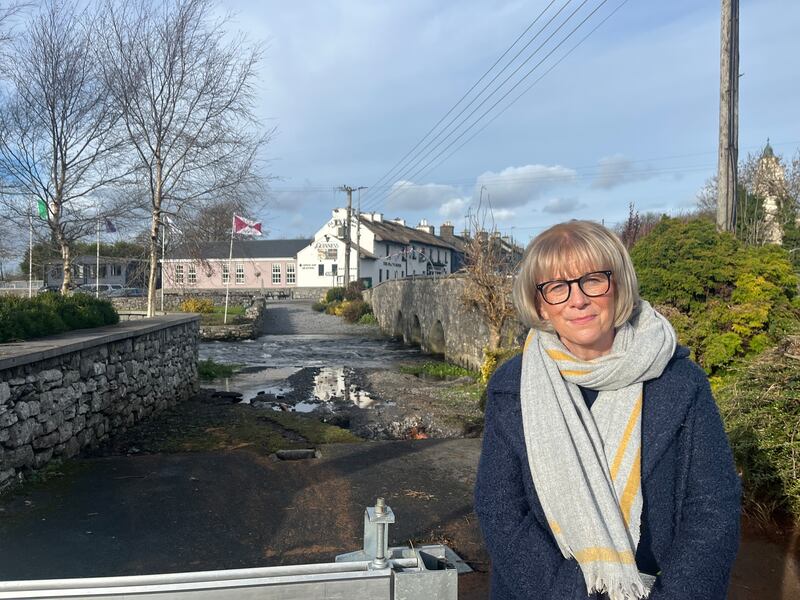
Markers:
point(191, 276)
point(291, 274)
point(239, 273)
point(178, 273)
point(226, 274)
point(277, 271)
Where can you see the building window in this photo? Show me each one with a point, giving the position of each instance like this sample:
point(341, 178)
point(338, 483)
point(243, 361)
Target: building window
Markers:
point(178, 273)
point(192, 274)
point(102, 271)
point(321, 270)
point(291, 276)
point(226, 274)
point(116, 270)
point(239, 273)
point(334, 269)
point(276, 274)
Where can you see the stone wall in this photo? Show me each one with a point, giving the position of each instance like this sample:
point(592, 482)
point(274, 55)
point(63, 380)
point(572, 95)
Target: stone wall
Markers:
point(430, 312)
point(238, 297)
point(61, 394)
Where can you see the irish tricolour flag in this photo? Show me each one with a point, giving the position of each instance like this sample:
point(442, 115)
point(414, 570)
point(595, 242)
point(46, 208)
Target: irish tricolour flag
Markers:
point(245, 226)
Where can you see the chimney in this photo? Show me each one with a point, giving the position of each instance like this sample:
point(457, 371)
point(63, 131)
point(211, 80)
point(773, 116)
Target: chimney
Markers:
point(483, 236)
point(399, 221)
point(446, 230)
point(377, 217)
point(423, 226)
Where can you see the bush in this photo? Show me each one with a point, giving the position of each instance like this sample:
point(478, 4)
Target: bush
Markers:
point(51, 313)
point(760, 404)
point(197, 305)
point(353, 291)
point(353, 310)
point(209, 370)
point(368, 319)
point(335, 294)
point(318, 306)
point(494, 358)
point(332, 307)
point(725, 300)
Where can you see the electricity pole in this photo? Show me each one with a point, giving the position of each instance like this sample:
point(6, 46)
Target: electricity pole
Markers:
point(347, 230)
point(728, 117)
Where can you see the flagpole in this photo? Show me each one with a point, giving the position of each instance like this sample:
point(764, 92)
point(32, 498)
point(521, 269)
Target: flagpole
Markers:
point(163, 256)
point(228, 283)
point(97, 265)
point(30, 253)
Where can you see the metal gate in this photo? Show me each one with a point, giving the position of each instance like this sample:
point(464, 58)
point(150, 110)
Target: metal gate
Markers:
point(376, 572)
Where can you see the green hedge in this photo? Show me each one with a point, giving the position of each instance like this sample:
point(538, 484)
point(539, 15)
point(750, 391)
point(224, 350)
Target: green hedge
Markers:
point(51, 313)
point(726, 300)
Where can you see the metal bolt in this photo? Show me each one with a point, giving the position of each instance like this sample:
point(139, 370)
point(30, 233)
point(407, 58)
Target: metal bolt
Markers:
point(380, 506)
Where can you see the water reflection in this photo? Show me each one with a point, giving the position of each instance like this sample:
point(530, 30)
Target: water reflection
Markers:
point(306, 373)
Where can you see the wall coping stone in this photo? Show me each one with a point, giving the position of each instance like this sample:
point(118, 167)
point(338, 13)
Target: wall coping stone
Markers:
point(14, 354)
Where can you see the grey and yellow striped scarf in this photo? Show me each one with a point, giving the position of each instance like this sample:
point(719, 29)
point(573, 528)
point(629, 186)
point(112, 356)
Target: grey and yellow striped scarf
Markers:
point(586, 465)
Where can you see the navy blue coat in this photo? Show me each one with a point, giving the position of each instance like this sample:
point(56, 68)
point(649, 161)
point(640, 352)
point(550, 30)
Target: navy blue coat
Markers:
point(690, 489)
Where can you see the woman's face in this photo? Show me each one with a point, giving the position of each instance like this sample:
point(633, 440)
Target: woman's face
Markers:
point(584, 324)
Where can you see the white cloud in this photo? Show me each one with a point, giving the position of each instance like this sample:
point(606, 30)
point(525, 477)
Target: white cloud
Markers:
point(558, 206)
point(516, 186)
point(617, 170)
point(455, 208)
point(410, 196)
point(503, 214)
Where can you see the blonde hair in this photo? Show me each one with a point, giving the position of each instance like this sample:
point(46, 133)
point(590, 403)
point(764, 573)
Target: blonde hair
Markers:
point(572, 246)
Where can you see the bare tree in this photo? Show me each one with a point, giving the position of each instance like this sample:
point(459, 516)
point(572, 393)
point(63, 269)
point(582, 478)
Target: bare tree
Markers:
point(184, 88)
point(55, 128)
point(489, 267)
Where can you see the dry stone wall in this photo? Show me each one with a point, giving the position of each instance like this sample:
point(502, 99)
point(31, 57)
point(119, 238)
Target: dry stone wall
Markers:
point(430, 312)
point(59, 395)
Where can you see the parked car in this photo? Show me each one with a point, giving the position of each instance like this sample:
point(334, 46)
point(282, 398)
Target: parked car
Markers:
point(53, 287)
point(131, 292)
point(105, 288)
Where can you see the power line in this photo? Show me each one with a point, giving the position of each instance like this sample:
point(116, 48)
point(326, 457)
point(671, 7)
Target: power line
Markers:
point(487, 111)
point(460, 100)
point(388, 174)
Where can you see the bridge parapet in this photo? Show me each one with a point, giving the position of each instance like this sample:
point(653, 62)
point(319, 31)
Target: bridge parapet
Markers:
point(430, 312)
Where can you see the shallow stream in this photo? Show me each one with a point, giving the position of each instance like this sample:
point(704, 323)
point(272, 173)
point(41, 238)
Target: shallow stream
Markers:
point(306, 372)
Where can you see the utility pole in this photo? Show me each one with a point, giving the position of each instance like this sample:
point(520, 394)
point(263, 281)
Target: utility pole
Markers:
point(727, 176)
point(348, 230)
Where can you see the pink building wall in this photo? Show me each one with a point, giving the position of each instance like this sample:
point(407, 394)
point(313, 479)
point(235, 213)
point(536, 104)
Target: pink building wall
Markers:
point(258, 273)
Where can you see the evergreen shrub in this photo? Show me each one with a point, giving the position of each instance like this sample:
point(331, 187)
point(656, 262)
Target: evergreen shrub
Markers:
point(335, 294)
point(51, 313)
point(725, 299)
point(354, 310)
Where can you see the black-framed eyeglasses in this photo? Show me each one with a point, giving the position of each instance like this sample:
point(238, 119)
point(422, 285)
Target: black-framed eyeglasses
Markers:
point(592, 284)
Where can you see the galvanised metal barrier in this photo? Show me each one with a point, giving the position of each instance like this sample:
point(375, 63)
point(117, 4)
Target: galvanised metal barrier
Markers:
point(374, 573)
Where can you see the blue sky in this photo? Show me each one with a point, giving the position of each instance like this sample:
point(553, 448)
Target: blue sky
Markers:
point(630, 116)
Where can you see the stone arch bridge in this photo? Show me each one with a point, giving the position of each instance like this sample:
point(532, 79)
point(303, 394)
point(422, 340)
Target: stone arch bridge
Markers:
point(429, 312)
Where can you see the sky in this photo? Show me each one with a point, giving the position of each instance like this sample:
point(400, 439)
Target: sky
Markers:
point(629, 116)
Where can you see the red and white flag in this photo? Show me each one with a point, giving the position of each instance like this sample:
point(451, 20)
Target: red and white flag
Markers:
point(245, 226)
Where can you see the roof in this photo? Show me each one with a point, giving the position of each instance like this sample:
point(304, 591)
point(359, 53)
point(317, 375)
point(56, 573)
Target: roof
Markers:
point(388, 231)
point(251, 249)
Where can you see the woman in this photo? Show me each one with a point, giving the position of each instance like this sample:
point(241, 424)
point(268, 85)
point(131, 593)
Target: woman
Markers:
point(605, 469)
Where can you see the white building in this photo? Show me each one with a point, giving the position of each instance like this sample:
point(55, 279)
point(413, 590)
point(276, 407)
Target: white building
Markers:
point(380, 250)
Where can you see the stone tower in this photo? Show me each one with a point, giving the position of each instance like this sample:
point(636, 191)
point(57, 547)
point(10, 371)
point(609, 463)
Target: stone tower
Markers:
point(770, 185)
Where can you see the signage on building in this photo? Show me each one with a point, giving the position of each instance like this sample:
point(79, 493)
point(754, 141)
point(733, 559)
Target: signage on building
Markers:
point(327, 250)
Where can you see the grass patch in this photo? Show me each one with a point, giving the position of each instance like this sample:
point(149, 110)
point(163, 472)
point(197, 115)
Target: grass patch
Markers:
point(368, 319)
point(316, 432)
point(209, 370)
point(241, 426)
point(438, 369)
